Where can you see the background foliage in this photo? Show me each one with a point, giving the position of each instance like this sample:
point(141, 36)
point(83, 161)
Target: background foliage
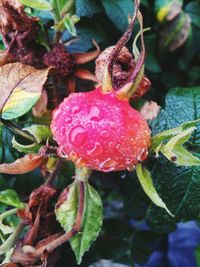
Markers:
point(133, 227)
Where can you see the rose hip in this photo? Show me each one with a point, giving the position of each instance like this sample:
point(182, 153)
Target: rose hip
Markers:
point(100, 131)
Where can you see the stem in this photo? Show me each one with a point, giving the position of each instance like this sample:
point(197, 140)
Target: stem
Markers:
point(8, 213)
point(123, 40)
point(54, 173)
point(10, 242)
point(17, 130)
point(75, 229)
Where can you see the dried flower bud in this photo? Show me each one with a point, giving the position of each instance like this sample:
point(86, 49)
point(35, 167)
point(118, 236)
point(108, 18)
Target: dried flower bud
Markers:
point(121, 69)
point(61, 60)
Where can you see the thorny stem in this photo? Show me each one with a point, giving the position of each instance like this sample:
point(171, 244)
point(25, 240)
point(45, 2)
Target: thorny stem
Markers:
point(75, 229)
point(54, 173)
point(10, 242)
point(17, 130)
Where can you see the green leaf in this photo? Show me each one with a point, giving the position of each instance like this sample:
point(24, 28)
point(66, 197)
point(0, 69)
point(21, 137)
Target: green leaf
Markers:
point(68, 22)
point(41, 133)
point(92, 221)
point(146, 182)
point(118, 11)
point(37, 4)
point(197, 255)
point(21, 87)
point(179, 187)
point(88, 7)
point(193, 9)
point(174, 151)
point(11, 198)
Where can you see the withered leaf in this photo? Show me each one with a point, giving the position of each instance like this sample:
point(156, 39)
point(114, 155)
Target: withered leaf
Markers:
point(24, 164)
point(13, 17)
point(21, 87)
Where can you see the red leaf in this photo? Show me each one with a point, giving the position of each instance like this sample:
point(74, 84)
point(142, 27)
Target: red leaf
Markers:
point(25, 164)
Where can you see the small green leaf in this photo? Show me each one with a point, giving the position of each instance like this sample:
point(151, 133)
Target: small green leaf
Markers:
point(68, 23)
point(41, 134)
point(37, 4)
point(11, 198)
point(174, 151)
point(158, 139)
point(92, 221)
point(145, 179)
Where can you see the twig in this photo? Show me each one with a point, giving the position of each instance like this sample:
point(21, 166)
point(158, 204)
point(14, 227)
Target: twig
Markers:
point(10, 242)
point(54, 173)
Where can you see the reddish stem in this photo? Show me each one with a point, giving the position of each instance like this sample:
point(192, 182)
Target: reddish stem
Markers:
point(54, 173)
point(123, 40)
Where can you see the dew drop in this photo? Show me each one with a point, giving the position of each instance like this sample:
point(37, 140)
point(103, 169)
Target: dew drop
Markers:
point(94, 114)
point(75, 109)
point(68, 120)
point(143, 154)
point(111, 144)
point(104, 133)
point(96, 150)
point(131, 168)
point(56, 113)
point(73, 155)
point(77, 135)
point(107, 165)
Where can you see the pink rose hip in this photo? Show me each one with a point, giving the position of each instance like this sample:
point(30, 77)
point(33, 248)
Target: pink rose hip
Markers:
point(100, 131)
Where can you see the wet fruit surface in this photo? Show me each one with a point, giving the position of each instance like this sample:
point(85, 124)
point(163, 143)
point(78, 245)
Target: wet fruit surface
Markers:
point(100, 131)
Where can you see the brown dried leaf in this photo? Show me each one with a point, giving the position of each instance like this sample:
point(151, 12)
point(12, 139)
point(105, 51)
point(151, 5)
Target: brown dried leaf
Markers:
point(24, 164)
point(13, 18)
point(21, 87)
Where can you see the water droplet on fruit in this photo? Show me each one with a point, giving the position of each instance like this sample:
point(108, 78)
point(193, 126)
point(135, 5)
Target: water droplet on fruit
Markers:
point(131, 168)
point(73, 155)
point(94, 114)
point(142, 156)
point(77, 135)
point(111, 144)
point(75, 109)
point(96, 150)
point(104, 133)
point(112, 124)
point(61, 153)
point(56, 113)
point(108, 165)
point(123, 137)
point(68, 120)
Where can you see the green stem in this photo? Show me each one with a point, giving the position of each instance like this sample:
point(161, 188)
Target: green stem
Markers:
point(10, 242)
point(8, 213)
point(82, 174)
